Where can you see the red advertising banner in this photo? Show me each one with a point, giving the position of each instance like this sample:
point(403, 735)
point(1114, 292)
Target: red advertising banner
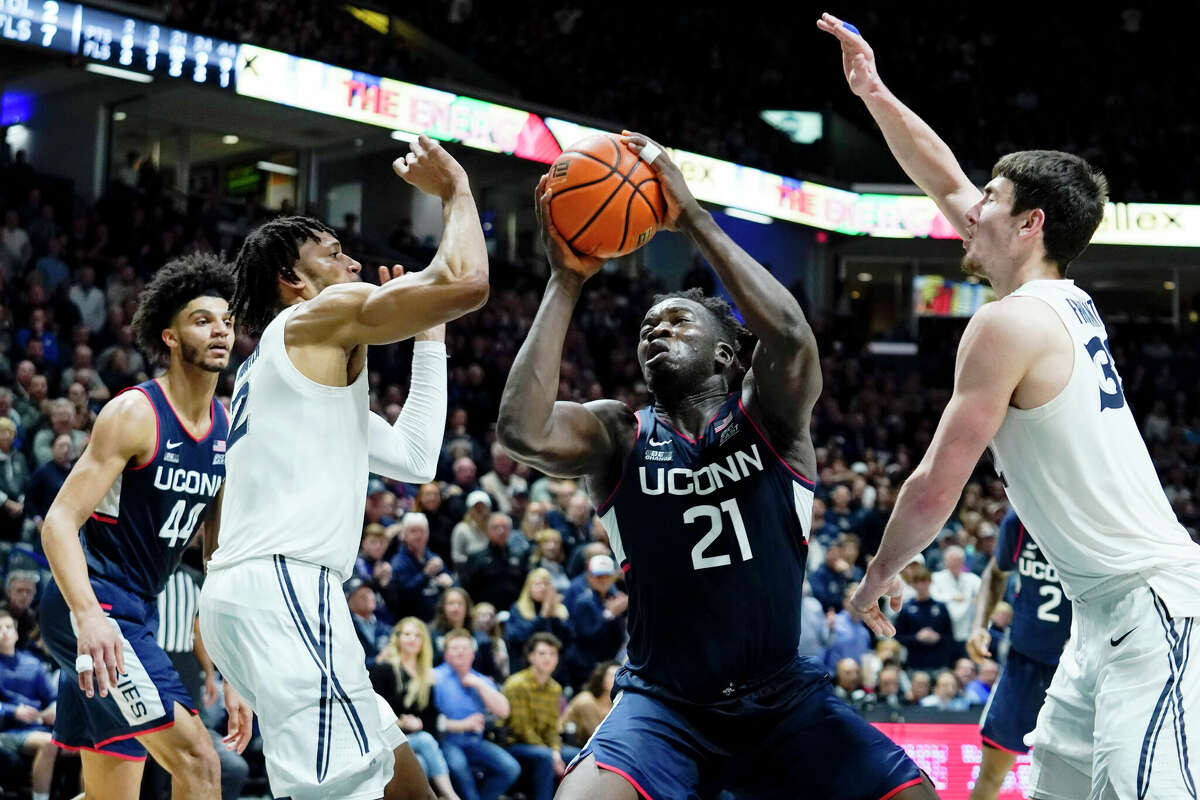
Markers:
point(950, 754)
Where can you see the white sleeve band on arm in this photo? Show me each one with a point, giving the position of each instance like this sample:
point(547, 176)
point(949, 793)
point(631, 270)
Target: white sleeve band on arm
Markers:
point(408, 451)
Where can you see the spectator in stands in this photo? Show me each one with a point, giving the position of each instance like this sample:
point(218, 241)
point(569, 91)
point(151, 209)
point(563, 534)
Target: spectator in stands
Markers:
point(454, 611)
point(919, 687)
point(38, 338)
point(923, 627)
point(872, 522)
point(62, 422)
point(419, 575)
point(574, 523)
point(981, 550)
point(851, 637)
point(486, 621)
point(816, 626)
point(840, 514)
point(946, 694)
point(830, 580)
point(956, 589)
point(88, 299)
point(429, 503)
point(503, 481)
point(49, 478)
point(14, 483)
point(589, 707)
point(979, 689)
point(465, 483)
point(465, 698)
point(27, 705)
point(51, 267)
point(534, 698)
point(964, 670)
point(121, 361)
point(16, 242)
point(597, 610)
point(403, 676)
point(373, 634)
point(847, 684)
point(496, 573)
point(370, 565)
point(887, 691)
point(548, 554)
point(539, 609)
point(470, 535)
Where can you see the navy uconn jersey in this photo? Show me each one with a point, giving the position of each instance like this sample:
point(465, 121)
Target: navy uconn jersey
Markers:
point(1041, 613)
point(137, 535)
point(711, 535)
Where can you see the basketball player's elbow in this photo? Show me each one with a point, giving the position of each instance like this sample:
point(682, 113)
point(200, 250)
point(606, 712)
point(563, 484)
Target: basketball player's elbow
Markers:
point(513, 434)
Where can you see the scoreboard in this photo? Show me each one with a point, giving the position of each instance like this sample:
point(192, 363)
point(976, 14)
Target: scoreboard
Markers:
point(120, 41)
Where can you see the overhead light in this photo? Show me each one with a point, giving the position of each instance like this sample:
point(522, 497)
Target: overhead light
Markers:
point(751, 216)
point(1169, 285)
point(119, 116)
point(123, 74)
point(802, 127)
point(17, 136)
point(865, 277)
point(856, 294)
point(230, 138)
point(404, 136)
point(282, 169)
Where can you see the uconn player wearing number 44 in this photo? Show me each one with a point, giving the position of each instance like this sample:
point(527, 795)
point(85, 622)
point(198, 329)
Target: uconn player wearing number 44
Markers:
point(150, 477)
point(706, 502)
point(1035, 381)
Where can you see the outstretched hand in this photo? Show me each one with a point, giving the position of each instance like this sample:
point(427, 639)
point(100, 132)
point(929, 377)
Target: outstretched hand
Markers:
point(675, 190)
point(559, 253)
point(858, 59)
point(865, 603)
point(431, 169)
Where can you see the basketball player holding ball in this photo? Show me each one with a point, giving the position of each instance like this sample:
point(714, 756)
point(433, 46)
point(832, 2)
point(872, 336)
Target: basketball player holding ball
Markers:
point(707, 505)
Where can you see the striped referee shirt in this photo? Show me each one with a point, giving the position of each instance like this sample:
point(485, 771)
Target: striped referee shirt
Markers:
point(178, 605)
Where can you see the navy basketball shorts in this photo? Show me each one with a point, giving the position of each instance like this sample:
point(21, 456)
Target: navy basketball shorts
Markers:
point(788, 737)
point(143, 701)
point(1012, 709)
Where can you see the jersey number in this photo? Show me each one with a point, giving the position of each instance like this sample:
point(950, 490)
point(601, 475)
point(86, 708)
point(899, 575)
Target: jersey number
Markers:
point(1111, 395)
point(716, 526)
point(172, 529)
point(1046, 610)
point(241, 415)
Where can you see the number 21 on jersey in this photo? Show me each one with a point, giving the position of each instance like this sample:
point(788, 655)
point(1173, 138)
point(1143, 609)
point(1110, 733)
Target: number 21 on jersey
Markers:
point(715, 517)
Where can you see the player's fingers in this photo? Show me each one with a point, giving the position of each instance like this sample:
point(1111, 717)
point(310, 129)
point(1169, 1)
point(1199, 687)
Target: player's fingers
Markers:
point(400, 167)
point(86, 682)
point(100, 671)
point(397, 272)
point(410, 159)
point(383, 275)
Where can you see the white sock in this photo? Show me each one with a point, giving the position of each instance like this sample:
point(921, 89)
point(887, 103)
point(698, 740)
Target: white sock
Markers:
point(41, 796)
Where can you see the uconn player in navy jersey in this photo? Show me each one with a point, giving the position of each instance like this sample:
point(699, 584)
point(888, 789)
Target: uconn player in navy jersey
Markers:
point(1040, 627)
point(706, 498)
point(150, 476)
point(1035, 382)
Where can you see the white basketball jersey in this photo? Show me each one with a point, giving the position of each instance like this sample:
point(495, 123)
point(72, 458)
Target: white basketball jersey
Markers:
point(296, 468)
point(1080, 478)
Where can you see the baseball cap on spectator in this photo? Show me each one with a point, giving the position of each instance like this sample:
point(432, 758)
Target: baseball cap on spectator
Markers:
point(375, 486)
point(601, 565)
point(986, 531)
point(354, 584)
point(917, 559)
point(479, 496)
point(860, 468)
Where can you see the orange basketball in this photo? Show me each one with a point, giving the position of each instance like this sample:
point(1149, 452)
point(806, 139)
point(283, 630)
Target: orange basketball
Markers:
point(605, 201)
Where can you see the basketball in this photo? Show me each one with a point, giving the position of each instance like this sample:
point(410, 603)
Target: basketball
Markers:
point(606, 202)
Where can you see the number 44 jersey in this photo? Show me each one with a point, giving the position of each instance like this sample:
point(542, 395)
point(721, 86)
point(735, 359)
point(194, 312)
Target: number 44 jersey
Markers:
point(1079, 476)
point(137, 535)
point(711, 536)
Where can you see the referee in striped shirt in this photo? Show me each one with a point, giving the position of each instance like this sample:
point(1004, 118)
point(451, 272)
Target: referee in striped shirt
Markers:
point(178, 635)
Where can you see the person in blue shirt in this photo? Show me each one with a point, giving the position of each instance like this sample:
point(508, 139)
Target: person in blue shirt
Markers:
point(27, 708)
point(923, 627)
point(466, 698)
point(373, 633)
point(419, 575)
point(1041, 623)
point(851, 638)
point(597, 612)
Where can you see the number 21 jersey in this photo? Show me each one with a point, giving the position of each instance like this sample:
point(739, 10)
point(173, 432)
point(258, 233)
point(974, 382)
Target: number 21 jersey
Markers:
point(711, 535)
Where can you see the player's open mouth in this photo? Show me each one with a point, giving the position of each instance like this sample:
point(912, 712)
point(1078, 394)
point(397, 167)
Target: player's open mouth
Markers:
point(219, 350)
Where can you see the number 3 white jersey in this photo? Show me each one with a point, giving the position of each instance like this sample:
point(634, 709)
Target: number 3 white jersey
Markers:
point(1080, 478)
point(296, 471)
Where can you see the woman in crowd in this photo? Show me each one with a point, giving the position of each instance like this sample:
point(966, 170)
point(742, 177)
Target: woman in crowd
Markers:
point(470, 535)
point(484, 620)
point(403, 676)
point(589, 708)
point(454, 609)
point(539, 609)
point(429, 503)
point(548, 553)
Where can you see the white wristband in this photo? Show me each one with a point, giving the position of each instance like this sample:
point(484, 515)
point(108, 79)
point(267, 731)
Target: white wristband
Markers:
point(84, 663)
point(650, 152)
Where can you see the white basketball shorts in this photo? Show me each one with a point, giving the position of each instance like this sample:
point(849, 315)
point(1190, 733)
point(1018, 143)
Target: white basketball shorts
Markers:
point(280, 631)
point(1122, 716)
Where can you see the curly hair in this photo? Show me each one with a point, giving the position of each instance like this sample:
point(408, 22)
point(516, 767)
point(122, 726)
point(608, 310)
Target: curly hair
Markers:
point(174, 285)
point(268, 252)
point(732, 330)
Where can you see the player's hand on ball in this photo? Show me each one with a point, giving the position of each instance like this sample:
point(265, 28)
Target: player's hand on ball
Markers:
point(431, 169)
point(858, 59)
point(865, 603)
point(100, 641)
point(241, 720)
point(680, 200)
point(979, 645)
point(558, 252)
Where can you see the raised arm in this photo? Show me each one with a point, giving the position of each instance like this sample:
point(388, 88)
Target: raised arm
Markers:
point(124, 430)
point(454, 283)
point(408, 450)
point(785, 378)
point(559, 438)
point(923, 156)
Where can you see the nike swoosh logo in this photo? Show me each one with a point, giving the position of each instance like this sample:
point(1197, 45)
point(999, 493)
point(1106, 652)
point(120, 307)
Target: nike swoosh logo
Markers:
point(1115, 642)
point(660, 444)
point(173, 445)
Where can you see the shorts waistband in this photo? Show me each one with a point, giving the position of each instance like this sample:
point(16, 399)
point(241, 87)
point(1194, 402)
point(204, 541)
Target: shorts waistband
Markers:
point(1110, 590)
point(269, 562)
